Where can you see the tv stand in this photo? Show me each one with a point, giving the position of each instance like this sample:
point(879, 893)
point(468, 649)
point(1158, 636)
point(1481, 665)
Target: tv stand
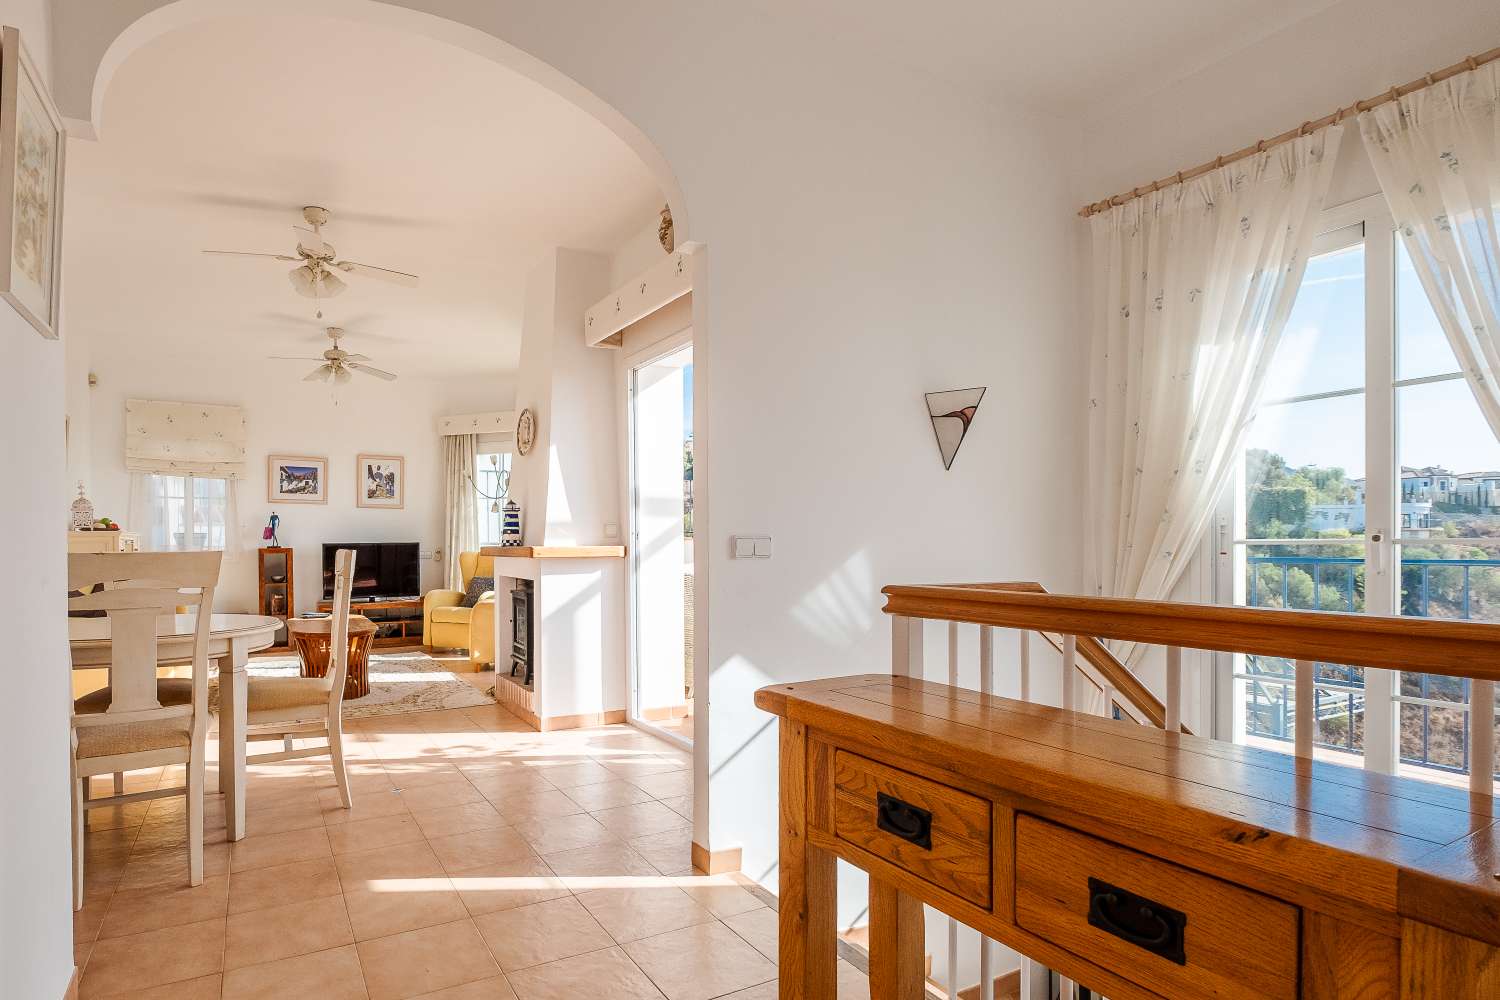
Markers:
point(398, 621)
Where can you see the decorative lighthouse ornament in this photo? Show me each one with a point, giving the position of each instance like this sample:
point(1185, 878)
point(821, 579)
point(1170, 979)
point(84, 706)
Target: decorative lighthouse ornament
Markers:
point(510, 524)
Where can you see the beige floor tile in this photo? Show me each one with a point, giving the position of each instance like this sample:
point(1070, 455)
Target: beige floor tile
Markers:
point(700, 962)
point(571, 775)
point(852, 984)
point(465, 852)
point(607, 794)
point(415, 773)
point(169, 868)
point(682, 805)
point(426, 960)
point(138, 910)
point(554, 834)
point(259, 888)
point(286, 931)
point(369, 834)
point(367, 805)
point(403, 905)
point(666, 785)
point(204, 988)
point(440, 794)
point(613, 859)
point(645, 765)
point(278, 849)
point(87, 921)
point(542, 932)
point(641, 819)
point(765, 991)
point(632, 913)
point(364, 869)
point(299, 816)
point(608, 973)
point(507, 885)
point(325, 975)
point(495, 988)
point(451, 820)
point(169, 955)
point(720, 896)
point(538, 805)
point(759, 927)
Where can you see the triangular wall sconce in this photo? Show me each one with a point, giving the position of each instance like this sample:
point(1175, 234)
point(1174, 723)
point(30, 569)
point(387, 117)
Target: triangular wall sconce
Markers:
point(952, 412)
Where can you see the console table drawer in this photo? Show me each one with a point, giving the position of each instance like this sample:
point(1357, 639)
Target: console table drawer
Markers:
point(1170, 929)
point(935, 832)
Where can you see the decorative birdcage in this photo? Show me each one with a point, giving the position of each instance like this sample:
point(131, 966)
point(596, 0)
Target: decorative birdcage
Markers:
point(82, 511)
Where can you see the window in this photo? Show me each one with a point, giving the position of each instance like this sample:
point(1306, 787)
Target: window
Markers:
point(1367, 486)
point(492, 476)
point(185, 513)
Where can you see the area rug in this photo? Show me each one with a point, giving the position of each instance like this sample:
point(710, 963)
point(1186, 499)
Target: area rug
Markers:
point(399, 682)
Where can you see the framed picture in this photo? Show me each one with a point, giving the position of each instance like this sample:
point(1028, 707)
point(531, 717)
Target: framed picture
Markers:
point(296, 479)
point(32, 143)
point(380, 481)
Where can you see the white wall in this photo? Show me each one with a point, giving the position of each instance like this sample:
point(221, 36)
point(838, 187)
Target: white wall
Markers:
point(36, 934)
point(287, 416)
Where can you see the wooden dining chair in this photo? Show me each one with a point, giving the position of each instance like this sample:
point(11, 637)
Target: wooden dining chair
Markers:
point(135, 723)
point(291, 708)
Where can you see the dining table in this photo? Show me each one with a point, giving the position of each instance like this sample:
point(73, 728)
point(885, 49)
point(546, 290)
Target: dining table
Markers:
point(231, 640)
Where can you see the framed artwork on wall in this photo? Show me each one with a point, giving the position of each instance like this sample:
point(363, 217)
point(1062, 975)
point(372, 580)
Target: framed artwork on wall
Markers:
point(32, 143)
point(380, 481)
point(296, 479)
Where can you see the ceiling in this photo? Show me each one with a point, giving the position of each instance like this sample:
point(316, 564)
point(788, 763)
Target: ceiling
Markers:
point(1060, 56)
point(432, 160)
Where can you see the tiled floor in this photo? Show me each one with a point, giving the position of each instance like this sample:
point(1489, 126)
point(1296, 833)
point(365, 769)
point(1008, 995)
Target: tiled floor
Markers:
point(481, 860)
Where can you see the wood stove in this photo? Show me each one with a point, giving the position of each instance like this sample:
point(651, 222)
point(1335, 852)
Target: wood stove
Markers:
point(521, 630)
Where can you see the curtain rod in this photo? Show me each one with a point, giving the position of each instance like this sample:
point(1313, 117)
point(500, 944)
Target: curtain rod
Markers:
point(1473, 62)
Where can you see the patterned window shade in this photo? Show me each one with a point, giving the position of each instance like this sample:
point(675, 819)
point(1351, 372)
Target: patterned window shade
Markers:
point(198, 439)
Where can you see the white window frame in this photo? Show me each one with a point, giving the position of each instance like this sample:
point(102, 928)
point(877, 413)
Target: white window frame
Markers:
point(188, 502)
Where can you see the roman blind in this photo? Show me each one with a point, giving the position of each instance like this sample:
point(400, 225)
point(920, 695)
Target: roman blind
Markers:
point(198, 439)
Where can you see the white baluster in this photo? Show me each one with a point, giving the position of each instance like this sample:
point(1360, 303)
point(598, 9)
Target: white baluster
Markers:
point(1482, 737)
point(986, 660)
point(953, 653)
point(1174, 690)
point(986, 969)
point(906, 646)
point(1025, 665)
point(1307, 709)
point(952, 958)
point(1107, 701)
point(1036, 980)
point(1069, 667)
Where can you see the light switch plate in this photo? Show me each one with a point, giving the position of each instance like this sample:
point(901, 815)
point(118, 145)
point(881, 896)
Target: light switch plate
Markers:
point(751, 546)
point(611, 529)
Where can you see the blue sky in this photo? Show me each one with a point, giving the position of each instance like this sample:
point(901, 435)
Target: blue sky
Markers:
point(1323, 350)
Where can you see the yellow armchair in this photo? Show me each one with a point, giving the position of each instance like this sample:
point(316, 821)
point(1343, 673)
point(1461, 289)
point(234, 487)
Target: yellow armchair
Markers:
point(446, 625)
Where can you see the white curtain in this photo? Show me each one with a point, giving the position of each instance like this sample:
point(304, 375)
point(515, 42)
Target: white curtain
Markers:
point(461, 522)
point(1437, 155)
point(185, 513)
point(1192, 288)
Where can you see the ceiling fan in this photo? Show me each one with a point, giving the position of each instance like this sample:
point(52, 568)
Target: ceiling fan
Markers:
point(338, 364)
point(317, 274)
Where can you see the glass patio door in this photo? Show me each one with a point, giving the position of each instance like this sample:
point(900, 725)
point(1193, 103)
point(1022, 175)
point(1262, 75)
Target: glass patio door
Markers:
point(1366, 487)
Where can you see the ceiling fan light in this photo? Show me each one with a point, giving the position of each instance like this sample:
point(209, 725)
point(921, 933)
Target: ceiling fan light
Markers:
point(332, 284)
point(302, 280)
point(342, 375)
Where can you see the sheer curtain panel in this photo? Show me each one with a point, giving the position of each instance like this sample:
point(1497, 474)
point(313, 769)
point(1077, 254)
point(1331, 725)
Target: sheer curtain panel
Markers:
point(1436, 153)
point(1192, 285)
point(461, 521)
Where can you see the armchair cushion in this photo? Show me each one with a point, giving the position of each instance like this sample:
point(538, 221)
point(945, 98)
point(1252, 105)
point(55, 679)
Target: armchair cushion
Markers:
point(453, 616)
point(479, 587)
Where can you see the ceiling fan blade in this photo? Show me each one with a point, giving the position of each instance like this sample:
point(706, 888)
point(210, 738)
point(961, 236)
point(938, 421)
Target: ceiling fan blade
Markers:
point(250, 253)
point(355, 357)
point(284, 357)
point(310, 241)
point(318, 374)
point(372, 371)
point(383, 273)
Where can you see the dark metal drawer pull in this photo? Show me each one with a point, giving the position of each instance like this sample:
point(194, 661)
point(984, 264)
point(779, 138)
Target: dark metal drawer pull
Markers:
point(1142, 922)
point(904, 820)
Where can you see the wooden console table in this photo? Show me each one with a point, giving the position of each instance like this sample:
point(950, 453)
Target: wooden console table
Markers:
point(397, 622)
point(1138, 862)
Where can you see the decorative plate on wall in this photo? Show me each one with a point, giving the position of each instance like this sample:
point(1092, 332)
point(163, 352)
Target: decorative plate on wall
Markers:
point(525, 431)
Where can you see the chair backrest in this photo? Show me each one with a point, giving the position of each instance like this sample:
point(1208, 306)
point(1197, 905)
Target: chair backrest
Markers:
point(140, 589)
point(472, 564)
point(338, 635)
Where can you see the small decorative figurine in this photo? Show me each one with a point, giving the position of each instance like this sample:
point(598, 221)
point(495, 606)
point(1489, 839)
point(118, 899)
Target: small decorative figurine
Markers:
point(269, 533)
point(510, 524)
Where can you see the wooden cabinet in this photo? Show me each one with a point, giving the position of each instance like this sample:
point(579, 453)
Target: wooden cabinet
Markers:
point(104, 541)
point(1139, 863)
point(274, 588)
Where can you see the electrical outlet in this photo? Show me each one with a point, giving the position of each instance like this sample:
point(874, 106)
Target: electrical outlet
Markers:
point(611, 529)
point(437, 555)
point(750, 546)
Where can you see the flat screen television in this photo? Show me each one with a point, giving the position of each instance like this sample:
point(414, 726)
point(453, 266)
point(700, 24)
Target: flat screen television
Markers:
point(382, 570)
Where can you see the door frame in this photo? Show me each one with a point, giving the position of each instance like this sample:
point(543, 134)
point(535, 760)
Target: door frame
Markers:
point(629, 364)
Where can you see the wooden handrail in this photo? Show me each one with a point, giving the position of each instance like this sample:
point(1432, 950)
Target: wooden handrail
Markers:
point(1453, 648)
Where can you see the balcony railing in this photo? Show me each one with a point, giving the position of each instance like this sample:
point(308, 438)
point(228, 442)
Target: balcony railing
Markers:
point(1433, 708)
